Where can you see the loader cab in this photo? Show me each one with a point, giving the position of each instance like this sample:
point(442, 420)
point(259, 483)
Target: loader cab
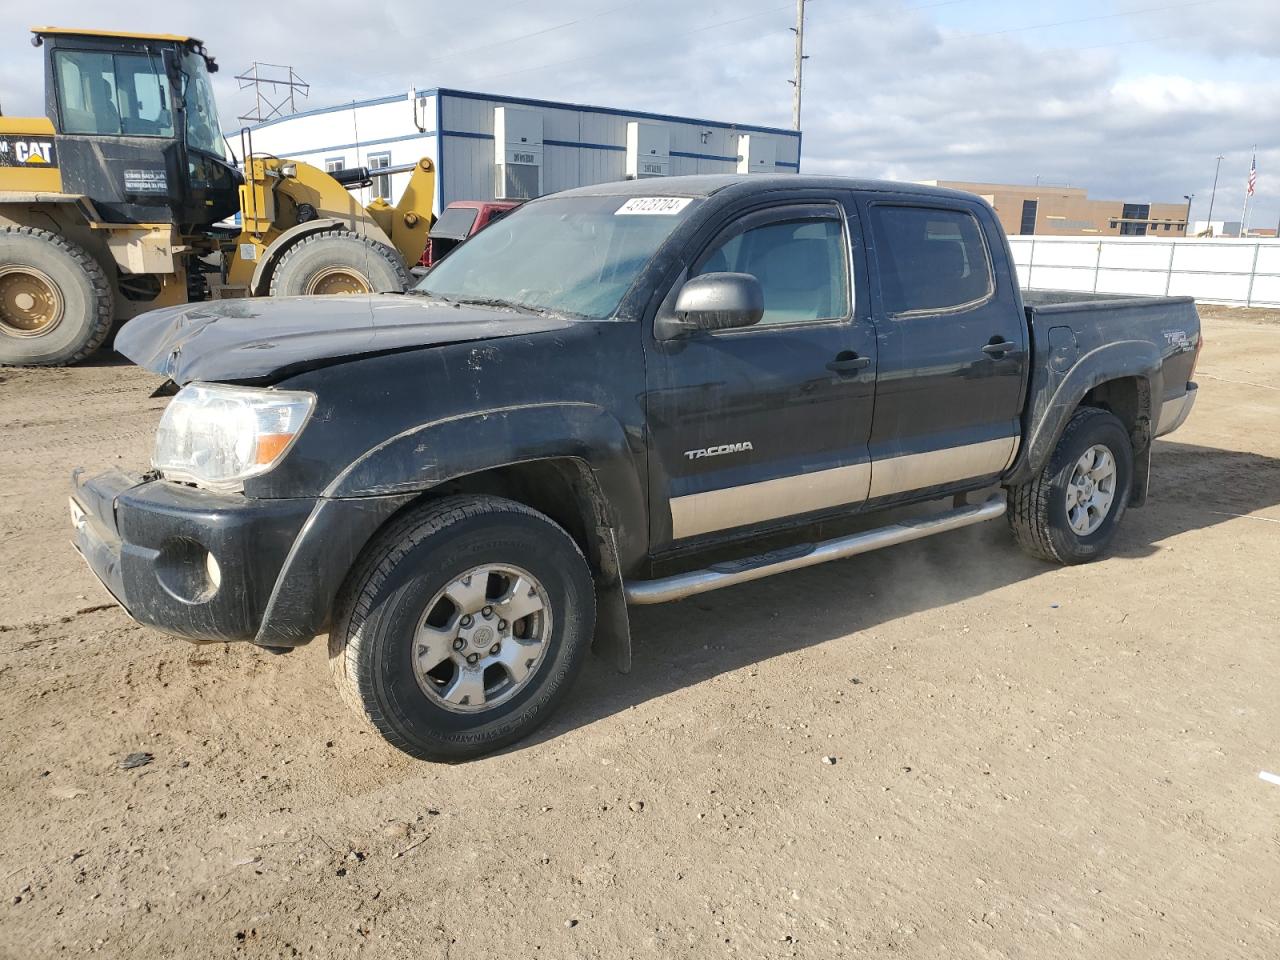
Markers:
point(137, 126)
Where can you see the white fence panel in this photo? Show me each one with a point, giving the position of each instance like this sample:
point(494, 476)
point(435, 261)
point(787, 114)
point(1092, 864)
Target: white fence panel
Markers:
point(1241, 272)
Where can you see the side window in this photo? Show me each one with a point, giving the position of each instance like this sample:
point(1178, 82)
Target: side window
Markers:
point(334, 164)
point(803, 266)
point(930, 259)
point(381, 182)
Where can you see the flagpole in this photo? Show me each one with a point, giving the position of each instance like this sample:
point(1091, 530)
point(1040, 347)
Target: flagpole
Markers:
point(1244, 213)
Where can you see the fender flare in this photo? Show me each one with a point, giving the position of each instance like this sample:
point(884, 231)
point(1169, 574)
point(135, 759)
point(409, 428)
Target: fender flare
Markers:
point(1051, 406)
point(588, 435)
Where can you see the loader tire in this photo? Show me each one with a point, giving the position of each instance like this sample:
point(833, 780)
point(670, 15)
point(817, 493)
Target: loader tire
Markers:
point(56, 303)
point(338, 262)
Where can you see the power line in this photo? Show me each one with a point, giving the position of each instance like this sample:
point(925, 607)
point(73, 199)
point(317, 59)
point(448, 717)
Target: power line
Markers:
point(613, 53)
point(1093, 19)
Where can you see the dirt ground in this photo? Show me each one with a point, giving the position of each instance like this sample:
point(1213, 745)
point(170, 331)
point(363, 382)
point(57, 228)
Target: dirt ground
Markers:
point(1031, 762)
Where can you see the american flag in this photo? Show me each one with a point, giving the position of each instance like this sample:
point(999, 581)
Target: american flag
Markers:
point(1253, 176)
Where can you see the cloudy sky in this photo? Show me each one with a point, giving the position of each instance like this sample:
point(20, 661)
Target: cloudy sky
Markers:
point(1132, 99)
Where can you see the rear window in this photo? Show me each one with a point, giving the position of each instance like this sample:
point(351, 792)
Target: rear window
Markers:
point(455, 223)
point(930, 259)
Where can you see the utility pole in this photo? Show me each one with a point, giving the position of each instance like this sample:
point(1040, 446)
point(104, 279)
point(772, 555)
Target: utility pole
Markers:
point(798, 82)
point(1214, 194)
point(1186, 229)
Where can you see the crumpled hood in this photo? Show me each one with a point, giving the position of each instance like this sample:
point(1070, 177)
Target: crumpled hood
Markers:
point(255, 339)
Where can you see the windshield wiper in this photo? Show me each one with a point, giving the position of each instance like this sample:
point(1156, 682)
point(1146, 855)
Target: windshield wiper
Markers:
point(495, 302)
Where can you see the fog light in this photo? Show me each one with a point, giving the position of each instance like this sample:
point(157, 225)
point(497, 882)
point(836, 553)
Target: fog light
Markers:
point(188, 571)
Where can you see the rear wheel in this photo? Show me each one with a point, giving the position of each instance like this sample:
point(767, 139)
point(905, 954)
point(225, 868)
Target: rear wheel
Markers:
point(56, 305)
point(1070, 512)
point(462, 627)
point(338, 262)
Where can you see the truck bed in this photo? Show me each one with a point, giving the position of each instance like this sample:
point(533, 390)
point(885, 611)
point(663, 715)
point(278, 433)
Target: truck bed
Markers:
point(1068, 325)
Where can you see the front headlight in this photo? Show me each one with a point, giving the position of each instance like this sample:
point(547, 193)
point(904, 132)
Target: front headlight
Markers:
point(218, 436)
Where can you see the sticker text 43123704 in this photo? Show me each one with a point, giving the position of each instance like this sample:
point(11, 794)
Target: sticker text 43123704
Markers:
point(653, 206)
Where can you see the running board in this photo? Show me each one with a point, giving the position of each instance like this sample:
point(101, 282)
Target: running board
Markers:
point(809, 554)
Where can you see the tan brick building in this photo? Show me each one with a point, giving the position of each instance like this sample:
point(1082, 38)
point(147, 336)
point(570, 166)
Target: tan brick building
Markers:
point(1068, 211)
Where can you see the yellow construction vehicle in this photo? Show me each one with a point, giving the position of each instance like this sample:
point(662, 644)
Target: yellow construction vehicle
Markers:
point(111, 205)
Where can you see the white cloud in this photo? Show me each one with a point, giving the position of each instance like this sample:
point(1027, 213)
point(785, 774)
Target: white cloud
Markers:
point(888, 93)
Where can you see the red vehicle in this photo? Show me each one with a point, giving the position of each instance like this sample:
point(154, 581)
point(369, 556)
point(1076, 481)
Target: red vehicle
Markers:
point(462, 219)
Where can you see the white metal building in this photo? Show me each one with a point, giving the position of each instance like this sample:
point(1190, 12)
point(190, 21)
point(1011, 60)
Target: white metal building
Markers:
point(488, 146)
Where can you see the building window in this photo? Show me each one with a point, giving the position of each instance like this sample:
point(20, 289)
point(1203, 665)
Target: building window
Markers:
point(381, 182)
point(1134, 217)
point(1029, 208)
point(334, 164)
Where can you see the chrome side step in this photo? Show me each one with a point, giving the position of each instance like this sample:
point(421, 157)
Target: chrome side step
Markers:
point(807, 555)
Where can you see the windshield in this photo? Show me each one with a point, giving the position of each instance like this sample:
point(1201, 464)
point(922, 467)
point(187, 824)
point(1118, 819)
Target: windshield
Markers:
point(575, 255)
point(204, 133)
point(112, 94)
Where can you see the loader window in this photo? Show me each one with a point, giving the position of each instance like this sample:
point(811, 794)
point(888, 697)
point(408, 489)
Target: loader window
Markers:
point(204, 132)
point(113, 94)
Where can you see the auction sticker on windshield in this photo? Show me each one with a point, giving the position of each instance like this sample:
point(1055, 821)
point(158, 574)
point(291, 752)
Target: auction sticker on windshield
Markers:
point(661, 206)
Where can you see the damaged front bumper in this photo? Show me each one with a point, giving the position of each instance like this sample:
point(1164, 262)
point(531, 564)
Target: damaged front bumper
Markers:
point(220, 567)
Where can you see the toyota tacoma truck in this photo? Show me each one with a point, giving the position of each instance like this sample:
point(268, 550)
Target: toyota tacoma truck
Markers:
point(621, 394)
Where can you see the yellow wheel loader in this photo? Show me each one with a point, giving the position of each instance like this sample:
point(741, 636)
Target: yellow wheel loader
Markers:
point(112, 204)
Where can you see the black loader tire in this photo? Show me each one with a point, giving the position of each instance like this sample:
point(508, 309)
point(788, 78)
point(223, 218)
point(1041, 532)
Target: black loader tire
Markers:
point(376, 636)
point(1038, 509)
point(42, 272)
point(338, 261)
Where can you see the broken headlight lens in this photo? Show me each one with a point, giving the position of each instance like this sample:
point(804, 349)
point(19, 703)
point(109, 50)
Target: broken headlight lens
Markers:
point(219, 436)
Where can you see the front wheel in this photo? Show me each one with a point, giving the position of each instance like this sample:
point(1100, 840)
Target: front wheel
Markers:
point(1070, 511)
point(463, 626)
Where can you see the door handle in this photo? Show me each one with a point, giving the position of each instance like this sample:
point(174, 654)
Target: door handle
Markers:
point(848, 362)
point(1000, 349)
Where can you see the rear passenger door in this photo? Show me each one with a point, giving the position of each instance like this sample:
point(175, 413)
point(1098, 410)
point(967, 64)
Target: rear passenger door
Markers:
point(952, 350)
point(766, 422)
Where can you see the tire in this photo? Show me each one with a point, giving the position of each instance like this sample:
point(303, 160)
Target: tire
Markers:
point(56, 304)
point(1041, 512)
point(335, 262)
point(391, 625)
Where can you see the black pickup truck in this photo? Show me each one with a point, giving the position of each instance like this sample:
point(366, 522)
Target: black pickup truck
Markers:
point(621, 394)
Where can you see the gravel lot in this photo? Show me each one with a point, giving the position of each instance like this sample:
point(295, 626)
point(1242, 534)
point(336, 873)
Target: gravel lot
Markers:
point(1031, 762)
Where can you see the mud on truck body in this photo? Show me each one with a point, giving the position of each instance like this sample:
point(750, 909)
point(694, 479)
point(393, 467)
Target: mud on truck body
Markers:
point(621, 394)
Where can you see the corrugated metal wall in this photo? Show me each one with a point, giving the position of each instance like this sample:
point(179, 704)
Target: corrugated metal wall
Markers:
point(582, 145)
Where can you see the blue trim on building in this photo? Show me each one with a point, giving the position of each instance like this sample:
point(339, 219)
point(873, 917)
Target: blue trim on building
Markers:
point(365, 143)
point(786, 163)
point(437, 92)
point(588, 108)
point(351, 105)
point(584, 146)
point(466, 133)
point(441, 203)
point(703, 156)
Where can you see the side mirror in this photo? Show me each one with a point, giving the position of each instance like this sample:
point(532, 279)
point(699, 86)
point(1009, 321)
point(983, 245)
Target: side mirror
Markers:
point(718, 301)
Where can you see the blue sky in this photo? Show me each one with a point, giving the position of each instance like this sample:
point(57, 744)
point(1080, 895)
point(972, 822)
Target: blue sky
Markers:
point(1133, 100)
